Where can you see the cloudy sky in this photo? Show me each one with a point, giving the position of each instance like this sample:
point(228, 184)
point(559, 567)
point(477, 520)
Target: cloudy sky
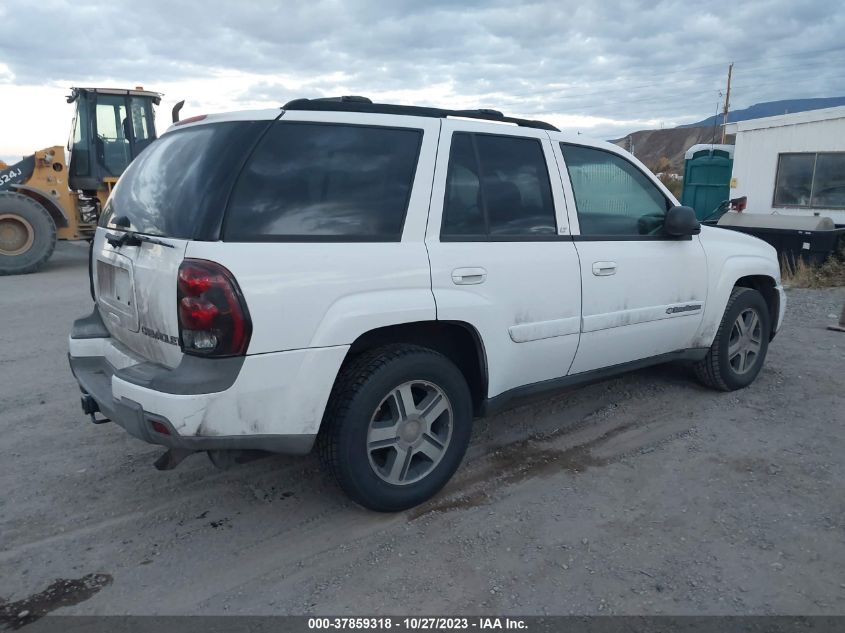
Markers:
point(603, 68)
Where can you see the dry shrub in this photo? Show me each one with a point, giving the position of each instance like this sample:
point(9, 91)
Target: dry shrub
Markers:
point(803, 275)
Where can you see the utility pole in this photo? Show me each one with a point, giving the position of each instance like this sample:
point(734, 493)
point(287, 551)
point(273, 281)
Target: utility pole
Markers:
point(727, 103)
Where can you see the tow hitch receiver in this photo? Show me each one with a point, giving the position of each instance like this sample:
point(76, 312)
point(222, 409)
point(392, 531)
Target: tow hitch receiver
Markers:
point(90, 408)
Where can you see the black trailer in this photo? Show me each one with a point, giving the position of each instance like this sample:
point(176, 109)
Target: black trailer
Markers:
point(810, 238)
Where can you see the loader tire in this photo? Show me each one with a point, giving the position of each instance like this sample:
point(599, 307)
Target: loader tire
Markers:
point(27, 234)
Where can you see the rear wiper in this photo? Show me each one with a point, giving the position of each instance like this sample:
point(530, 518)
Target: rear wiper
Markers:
point(133, 239)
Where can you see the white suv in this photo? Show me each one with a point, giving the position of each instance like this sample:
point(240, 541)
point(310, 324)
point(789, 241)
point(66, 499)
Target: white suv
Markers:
point(371, 277)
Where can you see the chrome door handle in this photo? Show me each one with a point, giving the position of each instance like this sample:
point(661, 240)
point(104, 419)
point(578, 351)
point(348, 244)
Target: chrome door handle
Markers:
point(603, 269)
point(466, 276)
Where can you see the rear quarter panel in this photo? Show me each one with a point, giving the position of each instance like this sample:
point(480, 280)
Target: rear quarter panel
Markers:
point(316, 295)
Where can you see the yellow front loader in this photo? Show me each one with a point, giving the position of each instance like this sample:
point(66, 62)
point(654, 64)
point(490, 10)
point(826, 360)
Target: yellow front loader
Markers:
point(44, 198)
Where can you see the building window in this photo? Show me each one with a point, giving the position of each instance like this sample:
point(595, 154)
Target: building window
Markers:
point(811, 180)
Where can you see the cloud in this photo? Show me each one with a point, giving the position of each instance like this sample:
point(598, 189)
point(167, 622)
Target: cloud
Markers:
point(596, 67)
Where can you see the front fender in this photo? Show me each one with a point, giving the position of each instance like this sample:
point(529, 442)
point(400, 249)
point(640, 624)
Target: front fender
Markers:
point(722, 282)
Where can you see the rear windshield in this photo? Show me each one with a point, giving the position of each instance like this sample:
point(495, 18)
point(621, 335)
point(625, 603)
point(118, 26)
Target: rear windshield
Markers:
point(178, 186)
point(325, 182)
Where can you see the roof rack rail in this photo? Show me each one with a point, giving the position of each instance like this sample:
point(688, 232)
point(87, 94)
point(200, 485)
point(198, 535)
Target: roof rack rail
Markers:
point(363, 104)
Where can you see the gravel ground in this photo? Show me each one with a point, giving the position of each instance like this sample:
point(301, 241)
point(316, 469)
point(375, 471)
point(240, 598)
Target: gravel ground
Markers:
point(646, 494)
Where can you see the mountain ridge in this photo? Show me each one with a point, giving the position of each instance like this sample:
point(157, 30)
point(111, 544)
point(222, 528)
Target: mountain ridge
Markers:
point(771, 108)
point(650, 146)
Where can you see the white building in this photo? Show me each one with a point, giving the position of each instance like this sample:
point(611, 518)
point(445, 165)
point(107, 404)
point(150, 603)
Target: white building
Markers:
point(792, 164)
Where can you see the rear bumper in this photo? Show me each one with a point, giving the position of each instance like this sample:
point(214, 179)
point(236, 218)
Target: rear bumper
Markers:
point(95, 375)
point(268, 402)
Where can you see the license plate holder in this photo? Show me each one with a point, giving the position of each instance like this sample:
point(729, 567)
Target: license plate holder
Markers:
point(116, 290)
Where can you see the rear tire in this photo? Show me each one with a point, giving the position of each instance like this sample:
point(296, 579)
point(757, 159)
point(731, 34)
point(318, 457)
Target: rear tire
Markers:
point(27, 234)
point(739, 349)
point(396, 427)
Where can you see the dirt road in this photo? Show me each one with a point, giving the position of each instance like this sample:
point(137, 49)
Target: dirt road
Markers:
point(646, 494)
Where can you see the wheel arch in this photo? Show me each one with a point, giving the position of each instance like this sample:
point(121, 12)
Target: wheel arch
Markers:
point(53, 207)
point(766, 286)
point(459, 341)
point(752, 271)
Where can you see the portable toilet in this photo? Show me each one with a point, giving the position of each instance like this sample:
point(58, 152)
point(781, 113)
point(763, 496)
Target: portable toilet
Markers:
point(707, 177)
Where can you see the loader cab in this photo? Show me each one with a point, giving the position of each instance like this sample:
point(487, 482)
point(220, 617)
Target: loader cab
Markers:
point(110, 128)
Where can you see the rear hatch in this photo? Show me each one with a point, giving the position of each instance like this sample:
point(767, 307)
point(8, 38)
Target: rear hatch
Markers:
point(174, 192)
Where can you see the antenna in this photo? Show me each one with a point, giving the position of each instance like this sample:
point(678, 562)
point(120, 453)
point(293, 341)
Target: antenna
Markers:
point(715, 122)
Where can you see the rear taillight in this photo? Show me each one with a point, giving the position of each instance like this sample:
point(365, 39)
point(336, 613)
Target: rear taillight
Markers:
point(213, 318)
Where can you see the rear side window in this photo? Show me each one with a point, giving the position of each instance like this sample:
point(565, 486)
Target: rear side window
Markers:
point(612, 196)
point(497, 187)
point(178, 186)
point(325, 182)
point(463, 214)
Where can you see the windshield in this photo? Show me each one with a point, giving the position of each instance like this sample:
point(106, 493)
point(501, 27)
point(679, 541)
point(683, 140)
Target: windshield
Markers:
point(179, 185)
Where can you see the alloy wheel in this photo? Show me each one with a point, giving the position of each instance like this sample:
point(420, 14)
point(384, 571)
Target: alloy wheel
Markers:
point(409, 432)
point(745, 342)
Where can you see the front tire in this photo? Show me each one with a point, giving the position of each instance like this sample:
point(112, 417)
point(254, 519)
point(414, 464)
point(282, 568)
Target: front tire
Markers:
point(396, 427)
point(27, 234)
point(739, 349)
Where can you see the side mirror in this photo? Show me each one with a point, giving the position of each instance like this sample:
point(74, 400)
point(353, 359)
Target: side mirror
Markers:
point(681, 222)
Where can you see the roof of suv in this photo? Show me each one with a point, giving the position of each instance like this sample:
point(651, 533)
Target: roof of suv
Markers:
point(363, 104)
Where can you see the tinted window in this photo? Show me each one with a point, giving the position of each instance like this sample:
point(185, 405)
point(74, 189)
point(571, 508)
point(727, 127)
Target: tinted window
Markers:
point(612, 196)
point(462, 212)
point(515, 186)
point(178, 186)
point(323, 181)
point(497, 186)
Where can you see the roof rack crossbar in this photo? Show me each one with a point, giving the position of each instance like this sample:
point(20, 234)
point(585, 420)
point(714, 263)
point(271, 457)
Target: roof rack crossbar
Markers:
point(362, 104)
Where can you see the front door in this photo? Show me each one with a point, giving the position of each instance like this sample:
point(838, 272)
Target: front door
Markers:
point(501, 257)
point(643, 292)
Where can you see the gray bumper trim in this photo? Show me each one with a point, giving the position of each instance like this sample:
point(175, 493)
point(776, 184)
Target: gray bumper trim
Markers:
point(91, 326)
point(193, 375)
point(94, 374)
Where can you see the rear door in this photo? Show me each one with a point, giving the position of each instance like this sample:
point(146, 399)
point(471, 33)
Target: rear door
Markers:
point(173, 193)
point(643, 292)
point(501, 257)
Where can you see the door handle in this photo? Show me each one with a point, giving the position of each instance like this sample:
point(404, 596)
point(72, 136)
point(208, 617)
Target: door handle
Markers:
point(466, 276)
point(603, 269)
